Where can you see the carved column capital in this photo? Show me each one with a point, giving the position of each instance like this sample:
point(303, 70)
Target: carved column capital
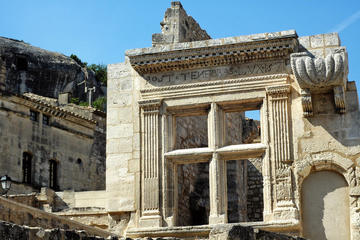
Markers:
point(150, 105)
point(278, 90)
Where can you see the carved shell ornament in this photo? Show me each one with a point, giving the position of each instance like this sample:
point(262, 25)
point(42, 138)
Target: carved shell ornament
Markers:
point(318, 72)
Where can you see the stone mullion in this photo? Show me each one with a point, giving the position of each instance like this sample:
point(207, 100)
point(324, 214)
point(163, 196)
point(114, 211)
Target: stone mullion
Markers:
point(217, 169)
point(150, 164)
point(169, 178)
point(264, 116)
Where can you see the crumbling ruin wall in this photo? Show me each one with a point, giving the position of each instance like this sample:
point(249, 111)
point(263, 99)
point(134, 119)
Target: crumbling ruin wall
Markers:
point(177, 26)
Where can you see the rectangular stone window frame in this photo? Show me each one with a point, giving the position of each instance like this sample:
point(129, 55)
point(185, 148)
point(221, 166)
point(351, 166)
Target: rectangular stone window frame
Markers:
point(216, 154)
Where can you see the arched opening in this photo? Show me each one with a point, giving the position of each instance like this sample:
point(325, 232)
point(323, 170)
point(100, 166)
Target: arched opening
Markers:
point(53, 175)
point(27, 167)
point(325, 206)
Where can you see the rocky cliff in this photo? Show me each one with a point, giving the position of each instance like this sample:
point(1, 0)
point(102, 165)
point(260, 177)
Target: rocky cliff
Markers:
point(25, 68)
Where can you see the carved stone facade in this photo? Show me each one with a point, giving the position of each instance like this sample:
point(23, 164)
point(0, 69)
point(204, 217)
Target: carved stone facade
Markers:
point(309, 122)
point(177, 149)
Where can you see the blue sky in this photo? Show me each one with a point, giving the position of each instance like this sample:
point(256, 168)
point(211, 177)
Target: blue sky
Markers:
point(99, 31)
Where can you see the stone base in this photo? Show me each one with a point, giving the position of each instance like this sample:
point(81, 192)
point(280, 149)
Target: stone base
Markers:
point(204, 231)
point(150, 221)
point(218, 219)
point(283, 215)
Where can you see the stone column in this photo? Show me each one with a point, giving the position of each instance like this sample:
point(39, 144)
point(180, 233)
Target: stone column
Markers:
point(217, 169)
point(150, 204)
point(281, 157)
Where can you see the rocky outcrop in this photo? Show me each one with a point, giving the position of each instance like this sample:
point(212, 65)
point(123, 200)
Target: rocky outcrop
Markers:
point(25, 68)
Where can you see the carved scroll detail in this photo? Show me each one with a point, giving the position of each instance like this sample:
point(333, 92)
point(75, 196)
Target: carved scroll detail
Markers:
point(339, 97)
point(306, 102)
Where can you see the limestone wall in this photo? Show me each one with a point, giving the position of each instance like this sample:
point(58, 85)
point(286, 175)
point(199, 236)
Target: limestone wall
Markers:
point(123, 138)
point(77, 145)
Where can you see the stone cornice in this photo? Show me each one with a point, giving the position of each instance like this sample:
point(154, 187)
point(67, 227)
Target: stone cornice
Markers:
point(214, 52)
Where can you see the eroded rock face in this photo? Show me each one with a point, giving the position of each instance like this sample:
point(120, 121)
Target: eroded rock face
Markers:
point(25, 68)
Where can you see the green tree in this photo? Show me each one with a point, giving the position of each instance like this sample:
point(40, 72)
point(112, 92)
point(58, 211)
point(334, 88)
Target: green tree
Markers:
point(77, 59)
point(100, 72)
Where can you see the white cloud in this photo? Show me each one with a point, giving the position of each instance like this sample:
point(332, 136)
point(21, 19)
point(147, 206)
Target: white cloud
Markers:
point(346, 23)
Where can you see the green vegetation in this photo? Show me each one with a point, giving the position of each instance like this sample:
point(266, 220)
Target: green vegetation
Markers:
point(100, 103)
point(74, 100)
point(100, 70)
point(77, 59)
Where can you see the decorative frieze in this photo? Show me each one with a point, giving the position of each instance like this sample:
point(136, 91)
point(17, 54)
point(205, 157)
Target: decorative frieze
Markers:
point(215, 87)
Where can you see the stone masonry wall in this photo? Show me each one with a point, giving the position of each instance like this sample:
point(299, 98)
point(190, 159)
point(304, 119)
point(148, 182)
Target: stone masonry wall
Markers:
point(255, 199)
point(78, 149)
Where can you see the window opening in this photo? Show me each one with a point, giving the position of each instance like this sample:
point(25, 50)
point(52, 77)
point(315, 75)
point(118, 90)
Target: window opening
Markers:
point(245, 190)
point(255, 199)
point(27, 159)
point(241, 129)
point(193, 194)
point(21, 64)
point(191, 132)
point(53, 169)
point(34, 116)
point(46, 120)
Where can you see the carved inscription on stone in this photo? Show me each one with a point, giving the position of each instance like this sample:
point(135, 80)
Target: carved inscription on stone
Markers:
point(217, 73)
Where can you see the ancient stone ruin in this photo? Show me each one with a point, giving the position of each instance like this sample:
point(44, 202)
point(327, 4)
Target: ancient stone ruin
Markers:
point(178, 154)
point(184, 159)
